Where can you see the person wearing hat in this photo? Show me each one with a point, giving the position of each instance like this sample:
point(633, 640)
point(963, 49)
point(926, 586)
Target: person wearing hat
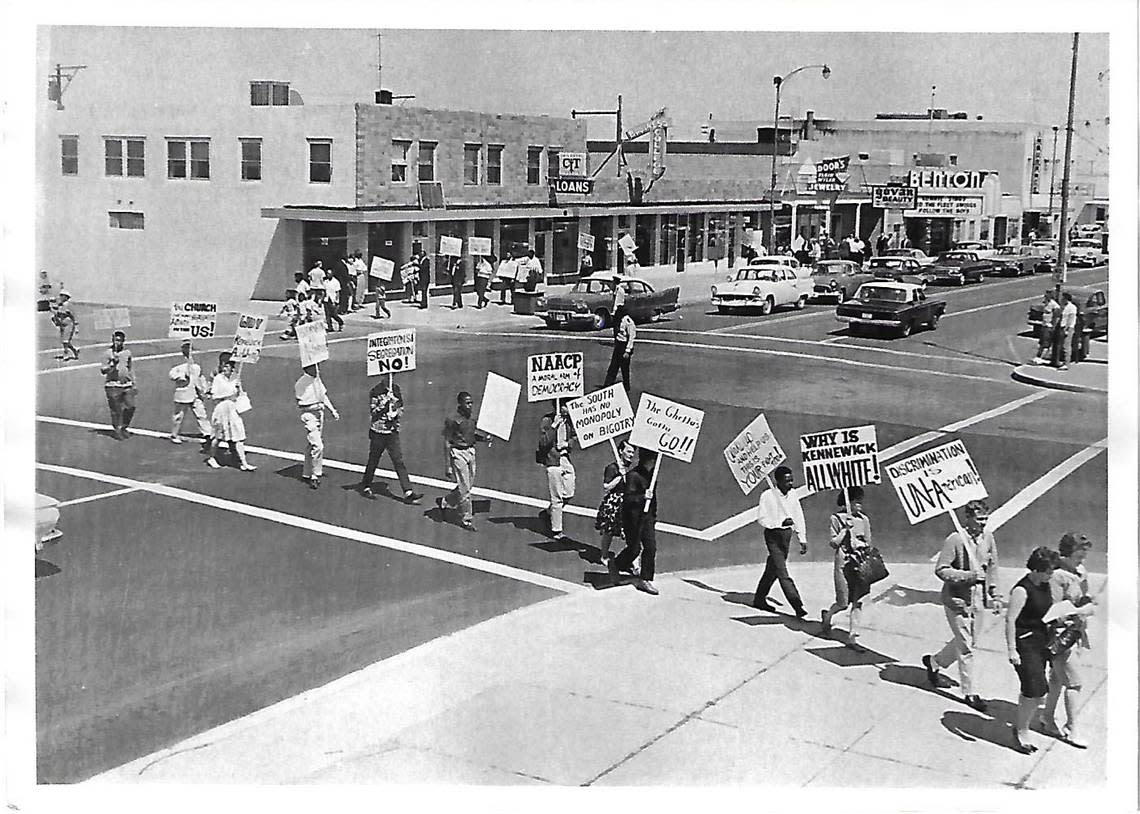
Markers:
point(64, 318)
point(119, 384)
point(188, 387)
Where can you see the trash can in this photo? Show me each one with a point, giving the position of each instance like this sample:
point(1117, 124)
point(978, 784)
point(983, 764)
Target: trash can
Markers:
point(528, 302)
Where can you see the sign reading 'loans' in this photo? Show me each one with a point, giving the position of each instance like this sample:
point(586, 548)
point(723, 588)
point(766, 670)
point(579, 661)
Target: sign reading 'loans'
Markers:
point(554, 376)
point(667, 427)
point(934, 482)
point(196, 320)
point(837, 459)
point(753, 454)
point(391, 352)
point(601, 415)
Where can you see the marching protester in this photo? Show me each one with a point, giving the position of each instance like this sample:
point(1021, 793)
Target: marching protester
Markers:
point(851, 538)
point(506, 272)
point(639, 525)
point(291, 313)
point(188, 386)
point(317, 275)
point(312, 399)
point(1069, 583)
point(458, 278)
point(625, 334)
point(965, 562)
point(608, 521)
point(554, 441)
point(530, 272)
point(586, 265)
point(483, 271)
point(332, 297)
point(342, 273)
point(226, 420)
point(117, 368)
point(781, 517)
point(423, 279)
point(310, 307)
point(301, 285)
point(64, 318)
point(381, 292)
point(1045, 329)
point(1026, 637)
point(386, 406)
point(459, 437)
point(407, 274)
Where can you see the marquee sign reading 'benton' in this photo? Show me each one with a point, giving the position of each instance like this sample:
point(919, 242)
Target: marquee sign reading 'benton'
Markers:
point(946, 179)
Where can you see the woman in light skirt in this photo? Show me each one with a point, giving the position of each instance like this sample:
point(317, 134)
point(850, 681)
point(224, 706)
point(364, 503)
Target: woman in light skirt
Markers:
point(226, 420)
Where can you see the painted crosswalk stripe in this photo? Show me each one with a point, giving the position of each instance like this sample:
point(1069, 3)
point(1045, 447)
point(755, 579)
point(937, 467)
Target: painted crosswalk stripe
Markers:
point(90, 498)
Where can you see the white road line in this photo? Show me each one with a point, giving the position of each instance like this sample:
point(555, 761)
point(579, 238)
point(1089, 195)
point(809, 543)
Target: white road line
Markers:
point(106, 344)
point(308, 524)
point(100, 496)
point(388, 474)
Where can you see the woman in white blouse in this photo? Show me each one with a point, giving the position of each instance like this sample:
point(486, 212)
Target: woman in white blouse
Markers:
point(226, 420)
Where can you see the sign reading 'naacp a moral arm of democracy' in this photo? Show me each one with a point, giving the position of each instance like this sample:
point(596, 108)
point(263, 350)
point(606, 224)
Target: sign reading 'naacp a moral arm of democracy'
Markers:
point(554, 376)
point(196, 320)
point(753, 454)
point(601, 415)
point(249, 338)
point(667, 427)
point(391, 352)
point(312, 343)
point(836, 459)
point(934, 482)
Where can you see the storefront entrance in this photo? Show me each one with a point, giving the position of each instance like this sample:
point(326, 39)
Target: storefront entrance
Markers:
point(327, 242)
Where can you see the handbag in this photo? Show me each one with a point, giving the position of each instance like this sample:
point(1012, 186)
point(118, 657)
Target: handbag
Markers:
point(242, 403)
point(870, 566)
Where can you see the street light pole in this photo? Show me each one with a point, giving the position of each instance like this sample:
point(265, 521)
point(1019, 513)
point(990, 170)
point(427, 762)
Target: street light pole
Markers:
point(1053, 179)
point(930, 117)
point(1063, 245)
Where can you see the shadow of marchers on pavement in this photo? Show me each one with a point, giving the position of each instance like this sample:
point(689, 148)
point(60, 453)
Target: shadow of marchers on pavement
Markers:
point(45, 568)
point(901, 596)
point(292, 471)
point(733, 597)
point(909, 675)
point(522, 522)
point(843, 656)
point(972, 726)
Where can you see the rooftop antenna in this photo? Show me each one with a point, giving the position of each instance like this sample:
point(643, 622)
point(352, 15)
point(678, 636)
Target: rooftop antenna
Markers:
point(384, 97)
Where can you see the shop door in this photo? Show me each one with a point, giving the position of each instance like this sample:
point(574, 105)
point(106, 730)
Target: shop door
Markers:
point(327, 242)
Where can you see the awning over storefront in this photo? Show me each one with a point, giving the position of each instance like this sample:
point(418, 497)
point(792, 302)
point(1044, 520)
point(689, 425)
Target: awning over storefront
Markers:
point(415, 215)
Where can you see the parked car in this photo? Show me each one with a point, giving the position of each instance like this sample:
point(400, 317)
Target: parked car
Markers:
point(1087, 252)
point(1092, 310)
point(897, 306)
point(900, 269)
point(775, 259)
point(958, 267)
point(982, 248)
point(1014, 261)
point(1046, 249)
point(763, 287)
point(837, 278)
point(917, 254)
point(590, 302)
point(47, 516)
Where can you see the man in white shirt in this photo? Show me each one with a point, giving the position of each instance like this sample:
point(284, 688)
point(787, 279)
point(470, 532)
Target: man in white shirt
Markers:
point(317, 275)
point(530, 271)
point(1046, 329)
point(312, 399)
point(781, 518)
point(1065, 330)
point(360, 273)
point(332, 297)
point(625, 334)
point(187, 378)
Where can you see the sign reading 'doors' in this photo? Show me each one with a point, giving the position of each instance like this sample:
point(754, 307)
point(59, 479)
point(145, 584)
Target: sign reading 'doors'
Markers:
point(479, 246)
point(109, 318)
point(391, 352)
point(554, 376)
point(894, 197)
point(450, 246)
point(946, 179)
point(753, 454)
point(601, 415)
point(497, 409)
point(944, 206)
point(934, 482)
point(196, 320)
point(667, 427)
point(585, 242)
point(382, 268)
point(836, 459)
point(312, 343)
point(249, 338)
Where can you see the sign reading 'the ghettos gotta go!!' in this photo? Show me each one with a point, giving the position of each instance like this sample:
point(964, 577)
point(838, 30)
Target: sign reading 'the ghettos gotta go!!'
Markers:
point(554, 376)
point(934, 482)
point(667, 427)
point(195, 320)
point(753, 454)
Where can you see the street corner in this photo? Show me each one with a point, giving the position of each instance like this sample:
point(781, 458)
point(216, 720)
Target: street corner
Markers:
point(1089, 376)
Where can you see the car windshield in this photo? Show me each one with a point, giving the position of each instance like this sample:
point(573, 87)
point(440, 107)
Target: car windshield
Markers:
point(954, 256)
point(594, 287)
point(1086, 244)
point(837, 267)
point(881, 293)
point(747, 274)
point(1009, 250)
point(1042, 244)
point(900, 252)
point(887, 262)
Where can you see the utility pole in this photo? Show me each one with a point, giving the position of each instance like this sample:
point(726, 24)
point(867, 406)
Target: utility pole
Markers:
point(55, 82)
point(930, 118)
point(1063, 246)
point(616, 112)
point(1053, 179)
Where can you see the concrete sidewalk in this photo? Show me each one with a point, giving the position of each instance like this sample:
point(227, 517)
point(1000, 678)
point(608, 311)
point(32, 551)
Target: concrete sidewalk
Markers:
point(693, 687)
point(1088, 376)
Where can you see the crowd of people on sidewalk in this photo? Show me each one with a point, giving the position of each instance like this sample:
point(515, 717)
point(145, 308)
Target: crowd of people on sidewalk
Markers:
point(1058, 337)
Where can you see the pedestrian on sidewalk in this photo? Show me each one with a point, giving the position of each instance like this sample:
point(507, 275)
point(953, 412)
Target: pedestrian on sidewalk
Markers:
point(408, 278)
point(851, 539)
point(508, 269)
point(63, 317)
point(312, 399)
point(608, 521)
point(530, 272)
point(1066, 326)
point(1026, 637)
point(342, 273)
point(1049, 318)
point(332, 298)
point(968, 567)
point(459, 437)
point(385, 407)
point(188, 387)
point(226, 420)
point(483, 272)
point(1070, 583)
point(381, 292)
point(625, 334)
point(782, 518)
point(317, 275)
point(555, 439)
point(360, 270)
point(639, 525)
point(423, 279)
point(117, 368)
point(458, 278)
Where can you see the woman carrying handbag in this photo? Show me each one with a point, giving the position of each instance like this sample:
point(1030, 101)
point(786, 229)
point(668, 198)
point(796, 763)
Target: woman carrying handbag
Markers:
point(851, 539)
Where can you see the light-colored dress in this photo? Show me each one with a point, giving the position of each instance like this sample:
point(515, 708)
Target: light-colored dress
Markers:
point(226, 420)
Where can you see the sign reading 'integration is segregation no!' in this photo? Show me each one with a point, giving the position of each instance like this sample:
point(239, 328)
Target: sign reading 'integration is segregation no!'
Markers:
point(391, 352)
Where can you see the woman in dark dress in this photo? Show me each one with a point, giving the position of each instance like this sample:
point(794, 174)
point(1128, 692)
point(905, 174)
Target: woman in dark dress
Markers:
point(1026, 637)
point(608, 522)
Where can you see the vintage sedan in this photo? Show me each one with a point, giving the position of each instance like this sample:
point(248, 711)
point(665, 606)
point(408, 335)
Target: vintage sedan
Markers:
point(982, 248)
point(958, 267)
point(1087, 253)
point(47, 516)
point(900, 307)
point(838, 278)
point(590, 303)
point(917, 254)
point(775, 259)
point(1014, 261)
point(900, 269)
point(1092, 310)
point(763, 287)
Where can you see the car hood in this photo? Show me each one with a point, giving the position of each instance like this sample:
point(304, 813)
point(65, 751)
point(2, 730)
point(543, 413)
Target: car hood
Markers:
point(742, 286)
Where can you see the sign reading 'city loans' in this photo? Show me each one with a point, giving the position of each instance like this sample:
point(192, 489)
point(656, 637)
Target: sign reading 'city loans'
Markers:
point(667, 427)
point(753, 454)
point(837, 459)
point(554, 376)
point(249, 338)
point(601, 415)
point(193, 320)
point(572, 186)
point(934, 482)
point(572, 165)
point(391, 352)
point(497, 409)
point(312, 343)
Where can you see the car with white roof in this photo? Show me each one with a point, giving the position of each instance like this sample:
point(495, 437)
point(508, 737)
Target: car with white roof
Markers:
point(763, 287)
point(899, 307)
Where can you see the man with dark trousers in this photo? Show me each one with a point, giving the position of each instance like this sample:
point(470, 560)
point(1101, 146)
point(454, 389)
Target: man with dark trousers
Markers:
point(423, 279)
point(385, 407)
point(639, 524)
point(625, 334)
point(117, 368)
point(781, 518)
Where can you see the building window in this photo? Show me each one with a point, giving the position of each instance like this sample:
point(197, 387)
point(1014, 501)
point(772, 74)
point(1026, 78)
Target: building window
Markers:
point(552, 170)
point(426, 161)
point(268, 93)
point(125, 220)
point(250, 159)
point(495, 164)
point(188, 158)
point(400, 150)
point(471, 163)
point(69, 154)
point(124, 156)
point(320, 161)
point(533, 165)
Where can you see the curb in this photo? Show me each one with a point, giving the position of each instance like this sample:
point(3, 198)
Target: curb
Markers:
point(1027, 374)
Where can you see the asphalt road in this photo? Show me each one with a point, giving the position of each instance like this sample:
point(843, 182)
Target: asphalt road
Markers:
point(197, 596)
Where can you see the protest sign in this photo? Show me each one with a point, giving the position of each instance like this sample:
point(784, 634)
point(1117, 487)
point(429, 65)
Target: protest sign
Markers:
point(666, 427)
point(497, 409)
point(601, 415)
point(627, 244)
point(196, 320)
point(554, 376)
point(837, 459)
point(479, 246)
point(120, 318)
point(408, 273)
point(312, 343)
point(585, 242)
point(936, 481)
point(753, 454)
point(382, 268)
point(391, 352)
point(102, 320)
point(450, 246)
point(249, 338)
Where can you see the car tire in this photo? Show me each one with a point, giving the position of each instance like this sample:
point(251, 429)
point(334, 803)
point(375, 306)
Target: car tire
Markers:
point(550, 323)
point(853, 329)
point(601, 319)
point(767, 307)
point(907, 327)
point(801, 303)
point(934, 320)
